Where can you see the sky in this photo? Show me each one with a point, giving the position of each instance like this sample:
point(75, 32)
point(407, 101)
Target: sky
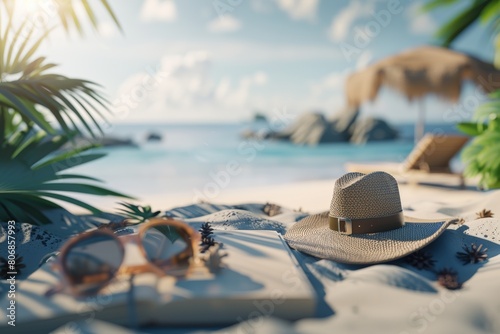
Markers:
point(222, 60)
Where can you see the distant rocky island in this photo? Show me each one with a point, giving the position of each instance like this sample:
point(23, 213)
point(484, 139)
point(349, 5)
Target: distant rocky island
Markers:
point(112, 141)
point(259, 117)
point(104, 141)
point(314, 128)
point(154, 137)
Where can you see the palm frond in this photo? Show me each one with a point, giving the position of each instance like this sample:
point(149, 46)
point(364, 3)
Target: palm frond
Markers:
point(60, 96)
point(32, 174)
point(490, 12)
point(431, 5)
point(482, 156)
point(137, 213)
point(461, 22)
point(482, 11)
point(27, 87)
point(33, 163)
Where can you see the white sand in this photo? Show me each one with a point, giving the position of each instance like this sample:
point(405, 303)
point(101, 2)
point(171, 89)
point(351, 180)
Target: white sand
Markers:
point(314, 196)
point(385, 298)
point(310, 196)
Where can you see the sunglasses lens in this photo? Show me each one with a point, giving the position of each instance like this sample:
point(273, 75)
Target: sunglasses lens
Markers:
point(93, 262)
point(165, 243)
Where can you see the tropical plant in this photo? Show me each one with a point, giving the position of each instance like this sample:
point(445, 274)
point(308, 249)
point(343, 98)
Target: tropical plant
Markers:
point(30, 90)
point(33, 175)
point(40, 113)
point(482, 156)
point(137, 213)
point(486, 12)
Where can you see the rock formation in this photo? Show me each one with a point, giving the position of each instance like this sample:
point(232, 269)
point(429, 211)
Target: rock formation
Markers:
point(372, 129)
point(314, 128)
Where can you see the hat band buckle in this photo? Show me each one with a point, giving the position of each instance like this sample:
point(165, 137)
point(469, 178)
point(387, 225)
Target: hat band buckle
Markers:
point(344, 225)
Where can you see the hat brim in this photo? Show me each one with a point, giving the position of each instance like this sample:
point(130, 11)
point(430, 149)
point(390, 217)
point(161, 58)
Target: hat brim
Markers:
point(312, 235)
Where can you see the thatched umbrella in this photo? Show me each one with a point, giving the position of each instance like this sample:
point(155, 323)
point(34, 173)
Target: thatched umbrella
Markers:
point(421, 71)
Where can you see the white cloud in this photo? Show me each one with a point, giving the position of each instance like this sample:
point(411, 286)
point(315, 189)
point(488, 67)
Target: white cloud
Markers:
point(260, 78)
point(264, 52)
point(159, 10)
point(238, 96)
point(299, 9)
point(296, 9)
point(232, 51)
point(328, 93)
point(182, 88)
point(420, 23)
point(226, 23)
point(332, 85)
point(342, 22)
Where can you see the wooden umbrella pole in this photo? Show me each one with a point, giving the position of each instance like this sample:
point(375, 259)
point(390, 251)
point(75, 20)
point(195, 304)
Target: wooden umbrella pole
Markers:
point(420, 124)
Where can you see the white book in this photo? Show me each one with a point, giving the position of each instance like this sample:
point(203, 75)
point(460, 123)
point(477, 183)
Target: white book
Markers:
point(261, 277)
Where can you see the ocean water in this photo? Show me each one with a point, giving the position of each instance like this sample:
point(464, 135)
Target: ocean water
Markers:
point(205, 158)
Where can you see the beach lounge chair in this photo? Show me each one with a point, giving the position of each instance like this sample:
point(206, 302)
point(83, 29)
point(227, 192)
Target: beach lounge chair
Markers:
point(431, 155)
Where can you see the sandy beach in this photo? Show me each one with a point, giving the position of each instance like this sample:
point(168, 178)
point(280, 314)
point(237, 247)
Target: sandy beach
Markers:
point(229, 166)
point(351, 298)
point(309, 196)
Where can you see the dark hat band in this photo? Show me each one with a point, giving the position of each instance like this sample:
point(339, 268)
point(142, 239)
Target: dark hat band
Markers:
point(366, 225)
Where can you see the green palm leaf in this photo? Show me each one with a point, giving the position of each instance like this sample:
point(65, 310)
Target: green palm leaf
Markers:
point(460, 23)
point(431, 5)
point(27, 87)
point(482, 156)
point(32, 167)
point(137, 213)
point(33, 164)
point(483, 11)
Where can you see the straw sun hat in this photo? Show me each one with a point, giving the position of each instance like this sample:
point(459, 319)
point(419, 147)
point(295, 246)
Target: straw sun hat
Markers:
point(365, 224)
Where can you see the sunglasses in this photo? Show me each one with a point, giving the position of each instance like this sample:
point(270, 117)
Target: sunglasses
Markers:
point(90, 261)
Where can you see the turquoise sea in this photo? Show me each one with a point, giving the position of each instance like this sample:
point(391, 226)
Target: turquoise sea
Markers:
point(194, 157)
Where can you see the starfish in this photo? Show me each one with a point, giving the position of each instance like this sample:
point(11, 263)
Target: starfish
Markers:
point(474, 254)
point(421, 260)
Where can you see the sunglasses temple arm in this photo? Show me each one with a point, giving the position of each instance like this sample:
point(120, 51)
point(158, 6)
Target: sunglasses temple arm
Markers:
point(131, 305)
